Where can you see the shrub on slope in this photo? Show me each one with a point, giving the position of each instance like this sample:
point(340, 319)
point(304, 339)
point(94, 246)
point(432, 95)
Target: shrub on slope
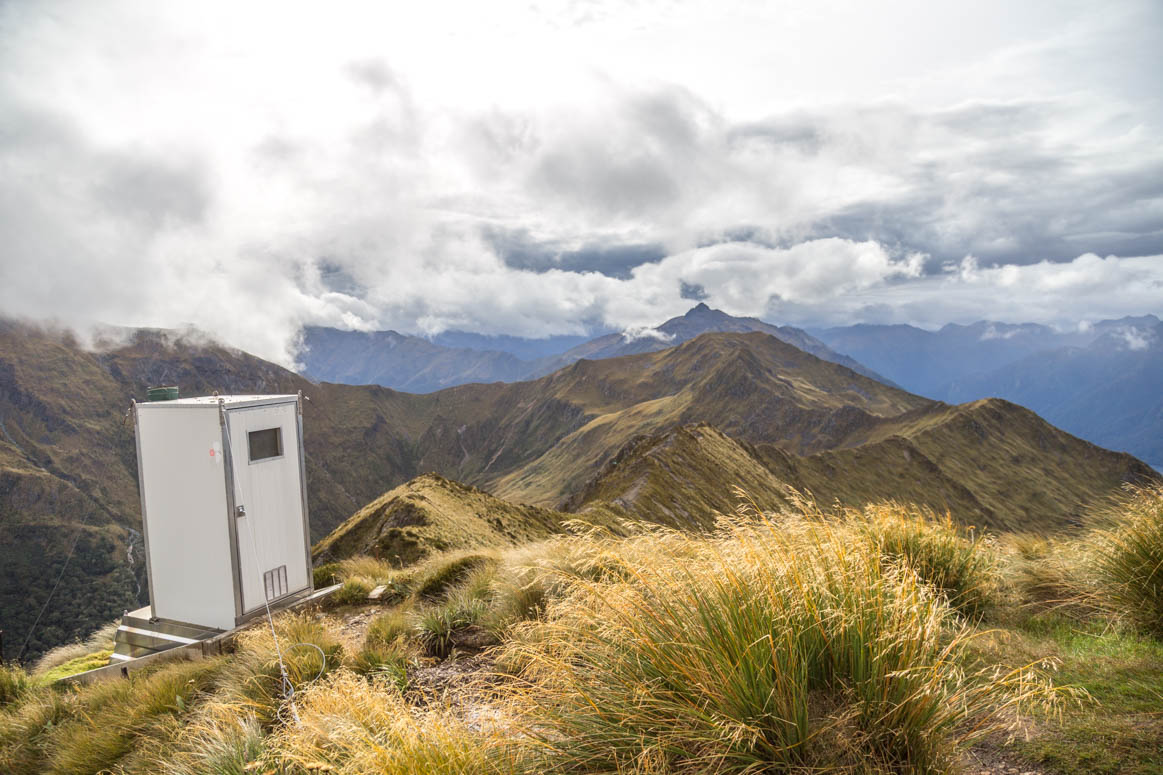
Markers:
point(1129, 560)
point(789, 644)
point(957, 563)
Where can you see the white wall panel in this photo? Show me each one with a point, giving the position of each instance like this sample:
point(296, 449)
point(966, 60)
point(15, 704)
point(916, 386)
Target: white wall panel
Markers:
point(184, 497)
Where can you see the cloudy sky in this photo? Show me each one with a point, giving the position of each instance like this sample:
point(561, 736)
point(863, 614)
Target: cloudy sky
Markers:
point(540, 168)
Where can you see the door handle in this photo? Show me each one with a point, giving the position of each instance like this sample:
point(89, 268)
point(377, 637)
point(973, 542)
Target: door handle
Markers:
point(240, 511)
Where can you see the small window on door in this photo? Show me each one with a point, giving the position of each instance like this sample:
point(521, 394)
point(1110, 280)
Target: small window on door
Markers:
point(265, 444)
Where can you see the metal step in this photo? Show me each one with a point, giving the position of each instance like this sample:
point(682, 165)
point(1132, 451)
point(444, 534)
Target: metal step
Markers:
point(141, 620)
point(140, 636)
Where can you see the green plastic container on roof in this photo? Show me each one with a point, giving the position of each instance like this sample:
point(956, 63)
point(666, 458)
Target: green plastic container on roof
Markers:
point(163, 393)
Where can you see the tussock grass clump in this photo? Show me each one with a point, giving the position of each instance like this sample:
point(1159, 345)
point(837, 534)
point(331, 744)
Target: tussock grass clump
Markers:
point(436, 627)
point(387, 662)
point(24, 728)
point(1128, 560)
point(15, 682)
point(325, 575)
point(352, 725)
point(519, 595)
point(959, 564)
point(251, 679)
point(110, 718)
point(221, 739)
point(178, 717)
point(353, 591)
point(386, 629)
point(359, 576)
point(1053, 577)
point(370, 568)
point(785, 645)
point(387, 649)
point(437, 577)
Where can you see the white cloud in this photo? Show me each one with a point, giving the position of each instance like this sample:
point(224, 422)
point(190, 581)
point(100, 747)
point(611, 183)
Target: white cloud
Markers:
point(1136, 339)
point(634, 334)
point(991, 332)
point(1073, 294)
point(221, 168)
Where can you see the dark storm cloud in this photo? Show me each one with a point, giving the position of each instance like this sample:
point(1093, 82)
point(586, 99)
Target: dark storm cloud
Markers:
point(519, 250)
point(336, 279)
point(692, 291)
point(992, 180)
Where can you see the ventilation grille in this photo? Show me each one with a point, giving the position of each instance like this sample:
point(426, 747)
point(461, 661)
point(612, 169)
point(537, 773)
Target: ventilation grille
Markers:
point(275, 582)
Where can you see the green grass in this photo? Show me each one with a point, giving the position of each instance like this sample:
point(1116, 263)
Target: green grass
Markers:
point(352, 726)
point(114, 715)
point(387, 663)
point(437, 577)
point(353, 591)
point(1119, 729)
point(325, 575)
point(77, 665)
point(387, 628)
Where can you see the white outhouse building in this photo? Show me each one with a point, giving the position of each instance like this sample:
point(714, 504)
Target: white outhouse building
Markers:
point(224, 504)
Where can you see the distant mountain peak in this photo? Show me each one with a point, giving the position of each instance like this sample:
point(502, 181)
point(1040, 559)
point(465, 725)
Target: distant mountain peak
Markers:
point(701, 309)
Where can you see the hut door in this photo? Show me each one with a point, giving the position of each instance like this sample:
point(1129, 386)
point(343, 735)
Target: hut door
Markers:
point(268, 503)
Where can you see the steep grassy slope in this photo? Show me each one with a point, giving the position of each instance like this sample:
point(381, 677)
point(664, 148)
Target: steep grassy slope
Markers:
point(63, 457)
point(1114, 397)
point(67, 455)
point(68, 468)
point(1016, 463)
point(433, 514)
point(680, 479)
point(1022, 474)
point(752, 386)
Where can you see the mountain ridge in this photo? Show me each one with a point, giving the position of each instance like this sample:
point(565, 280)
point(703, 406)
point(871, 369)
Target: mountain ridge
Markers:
point(1100, 383)
point(68, 462)
point(417, 364)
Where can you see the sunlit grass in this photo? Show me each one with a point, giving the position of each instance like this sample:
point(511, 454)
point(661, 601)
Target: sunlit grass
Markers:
point(1129, 560)
point(785, 644)
point(884, 639)
point(355, 726)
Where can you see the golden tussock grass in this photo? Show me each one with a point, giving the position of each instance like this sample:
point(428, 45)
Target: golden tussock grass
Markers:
point(847, 641)
point(786, 642)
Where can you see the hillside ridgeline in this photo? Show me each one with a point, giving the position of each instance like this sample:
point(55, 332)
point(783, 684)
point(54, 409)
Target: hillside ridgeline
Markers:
point(68, 458)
